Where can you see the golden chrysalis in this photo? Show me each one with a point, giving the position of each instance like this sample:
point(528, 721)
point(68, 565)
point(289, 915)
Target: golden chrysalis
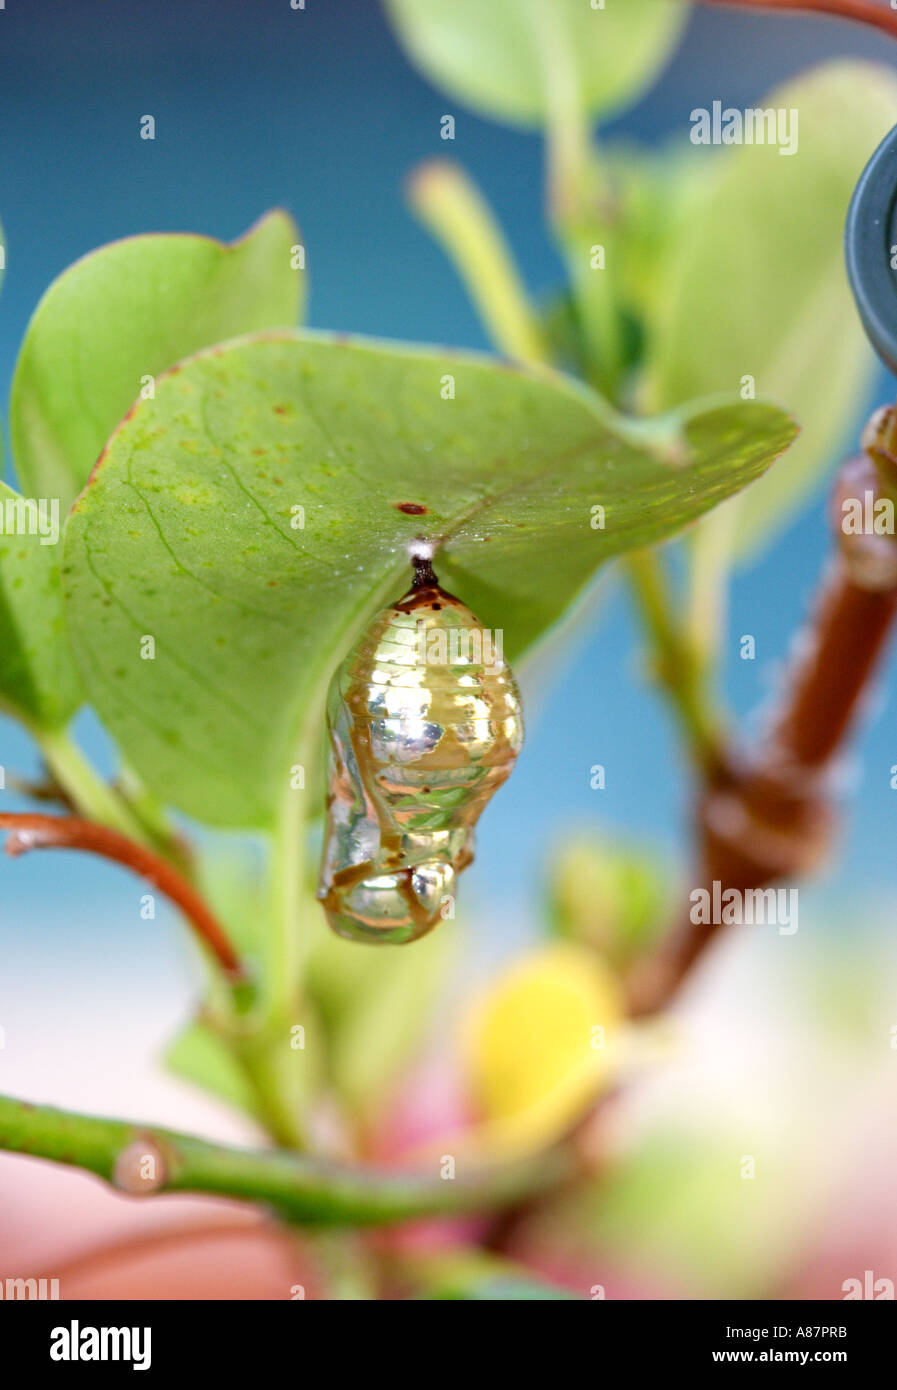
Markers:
point(425, 724)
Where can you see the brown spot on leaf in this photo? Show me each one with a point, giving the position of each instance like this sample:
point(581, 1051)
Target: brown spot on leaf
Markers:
point(411, 508)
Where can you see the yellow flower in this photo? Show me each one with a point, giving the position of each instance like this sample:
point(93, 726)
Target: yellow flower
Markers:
point(540, 1046)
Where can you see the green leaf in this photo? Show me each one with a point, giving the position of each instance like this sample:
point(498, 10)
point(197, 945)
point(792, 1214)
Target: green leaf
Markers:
point(500, 58)
point(654, 195)
point(757, 285)
point(129, 311)
point(38, 679)
point(200, 1056)
point(186, 533)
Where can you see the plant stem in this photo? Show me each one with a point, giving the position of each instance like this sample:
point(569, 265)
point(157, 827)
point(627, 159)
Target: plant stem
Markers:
point(284, 944)
point(709, 553)
point(678, 667)
point(566, 125)
point(769, 817)
point(460, 219)
point(89, 793)
point(32, 831)
point(580, 202)
point(157, 829)
point(258, 1055)
point(301, 1188)
point(849, 630)
point(860, 11)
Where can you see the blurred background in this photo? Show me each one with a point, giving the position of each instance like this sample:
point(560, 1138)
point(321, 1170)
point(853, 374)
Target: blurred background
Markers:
point(318, 110)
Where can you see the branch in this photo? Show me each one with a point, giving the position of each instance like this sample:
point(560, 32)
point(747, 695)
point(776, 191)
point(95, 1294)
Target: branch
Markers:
point(860, 11)
point(677, 664)
point(143, 1160)
point(770, 817)
point(29, 831)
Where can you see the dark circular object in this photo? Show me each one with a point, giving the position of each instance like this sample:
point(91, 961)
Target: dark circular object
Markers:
point(869, 235)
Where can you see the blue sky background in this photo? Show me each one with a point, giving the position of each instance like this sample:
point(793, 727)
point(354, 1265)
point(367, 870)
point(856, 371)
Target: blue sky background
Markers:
point(319, 111)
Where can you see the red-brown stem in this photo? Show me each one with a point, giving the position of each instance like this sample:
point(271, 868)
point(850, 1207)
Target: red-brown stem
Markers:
point(769, 817)
point(32, 831)
point(860, 11)
point(847, 635)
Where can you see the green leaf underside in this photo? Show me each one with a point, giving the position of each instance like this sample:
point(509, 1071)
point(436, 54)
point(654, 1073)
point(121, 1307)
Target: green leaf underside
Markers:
point(757, 285)
point(127, 311)
point(500, 57)
point(37, 675)
point(185, 533)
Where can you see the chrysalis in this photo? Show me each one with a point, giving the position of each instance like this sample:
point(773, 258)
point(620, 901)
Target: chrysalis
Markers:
point(425, 724)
